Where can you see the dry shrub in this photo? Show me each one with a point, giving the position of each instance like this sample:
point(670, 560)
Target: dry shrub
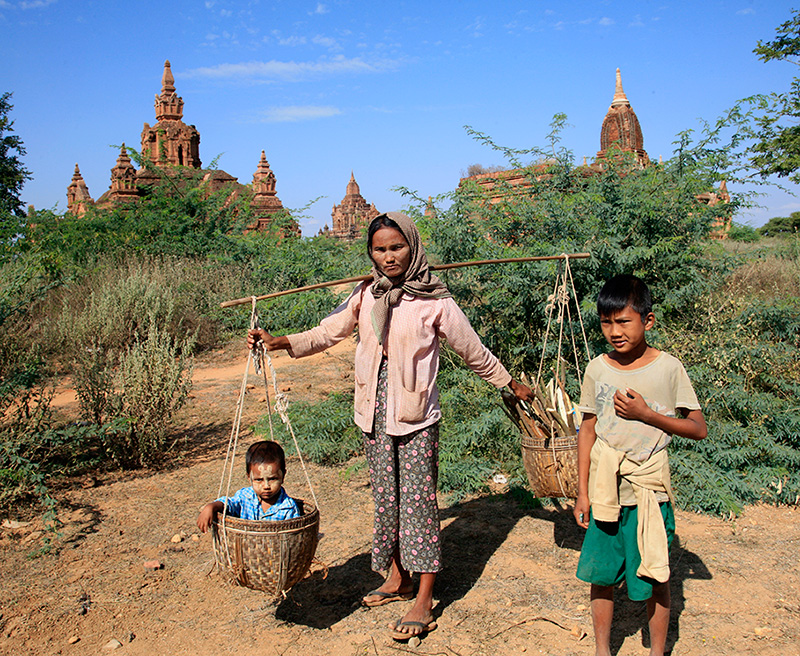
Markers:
point(768, 277)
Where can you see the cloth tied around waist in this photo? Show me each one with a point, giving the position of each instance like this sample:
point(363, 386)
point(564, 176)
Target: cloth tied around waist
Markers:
point(646, 478)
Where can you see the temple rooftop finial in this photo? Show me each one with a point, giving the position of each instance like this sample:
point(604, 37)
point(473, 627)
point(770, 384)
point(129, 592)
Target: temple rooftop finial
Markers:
point(167, 80)
point(619, 95)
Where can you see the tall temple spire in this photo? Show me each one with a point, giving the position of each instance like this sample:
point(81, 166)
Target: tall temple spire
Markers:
point(621, 127)
point(168, 80)
point(353, 214)
point(169, 105)
point(619, 95)
point(265, 199)
point(352, 187)
point(170, 142)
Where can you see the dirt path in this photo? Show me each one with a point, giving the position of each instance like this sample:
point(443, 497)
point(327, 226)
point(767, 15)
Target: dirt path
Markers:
point(509, 586)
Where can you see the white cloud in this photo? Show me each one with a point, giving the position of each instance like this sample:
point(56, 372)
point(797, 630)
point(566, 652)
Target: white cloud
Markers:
point(320, 9)
point(605, 21)
point(258, 71)
point(293, 113)
point(292, 41)
point(748, 10)
point(35, 4)
point(636, 22)
point(325, 41)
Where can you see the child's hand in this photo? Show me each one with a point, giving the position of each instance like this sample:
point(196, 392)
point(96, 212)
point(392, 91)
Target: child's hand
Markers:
point(581, 511)
point(206, 517)
point(631, 405)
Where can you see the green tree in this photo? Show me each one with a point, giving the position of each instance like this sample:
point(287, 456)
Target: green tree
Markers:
point(781, 225)
point(12, 173)
point(777, 149)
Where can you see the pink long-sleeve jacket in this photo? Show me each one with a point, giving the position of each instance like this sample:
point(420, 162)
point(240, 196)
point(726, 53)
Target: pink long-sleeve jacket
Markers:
point(412, 346)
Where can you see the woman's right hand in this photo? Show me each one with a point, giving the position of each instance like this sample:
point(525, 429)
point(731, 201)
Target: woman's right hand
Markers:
point(271, 343)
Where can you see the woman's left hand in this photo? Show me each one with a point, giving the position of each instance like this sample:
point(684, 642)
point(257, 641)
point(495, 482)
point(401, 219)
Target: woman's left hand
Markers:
point(522, 392)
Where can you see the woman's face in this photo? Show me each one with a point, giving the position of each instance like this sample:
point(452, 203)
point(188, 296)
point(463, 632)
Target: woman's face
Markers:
point(390, 252)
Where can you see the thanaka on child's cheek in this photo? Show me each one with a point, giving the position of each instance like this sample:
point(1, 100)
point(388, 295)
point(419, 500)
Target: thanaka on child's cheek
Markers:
point(267, 480)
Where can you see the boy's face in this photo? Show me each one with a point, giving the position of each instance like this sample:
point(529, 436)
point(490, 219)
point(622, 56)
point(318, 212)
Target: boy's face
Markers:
point(625, 330)
point(267, 479)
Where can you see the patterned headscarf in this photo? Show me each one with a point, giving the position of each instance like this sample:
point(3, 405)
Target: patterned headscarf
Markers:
point(417, 281)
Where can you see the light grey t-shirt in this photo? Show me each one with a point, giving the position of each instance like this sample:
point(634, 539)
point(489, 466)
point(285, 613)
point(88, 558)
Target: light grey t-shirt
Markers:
point(663, 383)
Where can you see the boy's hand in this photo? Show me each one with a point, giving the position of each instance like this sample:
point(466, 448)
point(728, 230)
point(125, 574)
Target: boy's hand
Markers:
point(581, 511)
point(631, 405)
point(206, 517)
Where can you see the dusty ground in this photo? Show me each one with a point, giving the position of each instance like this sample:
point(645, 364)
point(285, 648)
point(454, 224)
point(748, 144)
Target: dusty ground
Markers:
point(509, 586)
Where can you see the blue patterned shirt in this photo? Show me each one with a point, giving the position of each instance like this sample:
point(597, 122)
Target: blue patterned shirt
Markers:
point(245, 504)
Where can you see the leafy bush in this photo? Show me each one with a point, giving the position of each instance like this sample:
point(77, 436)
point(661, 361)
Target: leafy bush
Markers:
point(325, 431)
point(151, 383)
point(743, 232)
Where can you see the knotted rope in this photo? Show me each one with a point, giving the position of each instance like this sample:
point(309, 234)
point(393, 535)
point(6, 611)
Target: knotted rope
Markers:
point(256, 357)
point(558, 304)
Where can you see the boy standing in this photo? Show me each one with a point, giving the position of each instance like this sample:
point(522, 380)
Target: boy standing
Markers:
point(265, 498)
point(633, 399)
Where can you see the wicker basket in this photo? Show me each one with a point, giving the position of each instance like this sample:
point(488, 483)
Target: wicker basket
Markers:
point(552, 465)
point(267, 555)
point(549, 449)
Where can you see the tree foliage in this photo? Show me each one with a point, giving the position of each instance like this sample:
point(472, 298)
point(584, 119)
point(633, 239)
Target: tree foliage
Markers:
point(776, 150)
point(13, 173)
point(780, 226)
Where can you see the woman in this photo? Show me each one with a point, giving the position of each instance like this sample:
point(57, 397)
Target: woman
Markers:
point(401, 315)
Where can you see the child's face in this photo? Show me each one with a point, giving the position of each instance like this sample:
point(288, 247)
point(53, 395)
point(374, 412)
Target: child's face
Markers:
point(625, 330)
point(267, 479)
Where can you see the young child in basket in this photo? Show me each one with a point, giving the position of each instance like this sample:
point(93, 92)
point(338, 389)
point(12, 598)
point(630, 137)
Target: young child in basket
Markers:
point(633, 399)
point(265, 498)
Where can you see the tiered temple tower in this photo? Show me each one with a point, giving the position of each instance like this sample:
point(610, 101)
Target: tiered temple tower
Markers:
point(78, 197)
point(621, 128)
point(172, 150)
point(170, 141)
point(352, 215)
point(265, 199)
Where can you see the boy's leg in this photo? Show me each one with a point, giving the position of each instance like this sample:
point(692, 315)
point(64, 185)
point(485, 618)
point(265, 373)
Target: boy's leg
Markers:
point(658, 618)
point(602, 598)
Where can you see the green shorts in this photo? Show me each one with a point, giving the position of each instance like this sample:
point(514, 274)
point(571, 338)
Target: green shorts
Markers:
point(610, 552)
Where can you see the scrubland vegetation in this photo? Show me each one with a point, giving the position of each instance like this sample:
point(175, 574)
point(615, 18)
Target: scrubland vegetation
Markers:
point(123, 300)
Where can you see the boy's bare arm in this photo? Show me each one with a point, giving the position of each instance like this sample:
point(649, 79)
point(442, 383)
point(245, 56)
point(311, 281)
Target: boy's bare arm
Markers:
point(631, 405)
point(586, 439)
point(207, 515)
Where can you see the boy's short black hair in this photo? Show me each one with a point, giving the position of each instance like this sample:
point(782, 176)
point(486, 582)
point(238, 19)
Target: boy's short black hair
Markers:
point(622, 291)
point(265, 452)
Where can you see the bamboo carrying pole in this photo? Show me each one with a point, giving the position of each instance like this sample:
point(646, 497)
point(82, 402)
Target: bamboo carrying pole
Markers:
point(436, 267)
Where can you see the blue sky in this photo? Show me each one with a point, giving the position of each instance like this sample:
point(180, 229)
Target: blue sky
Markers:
point(380, 89)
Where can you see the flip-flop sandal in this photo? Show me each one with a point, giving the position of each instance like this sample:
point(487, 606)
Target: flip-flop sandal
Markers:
point(424, 628)
point(385, 598)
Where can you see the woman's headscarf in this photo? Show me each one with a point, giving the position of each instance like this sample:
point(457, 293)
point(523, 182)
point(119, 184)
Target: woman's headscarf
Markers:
point(417, 280)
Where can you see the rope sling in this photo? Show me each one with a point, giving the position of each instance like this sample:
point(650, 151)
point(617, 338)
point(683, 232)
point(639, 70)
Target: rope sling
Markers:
point(549, 425)
point(271, 556)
